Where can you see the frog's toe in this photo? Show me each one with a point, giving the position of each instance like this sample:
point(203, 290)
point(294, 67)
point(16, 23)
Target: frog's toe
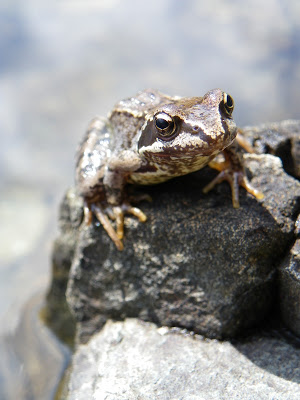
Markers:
point(119, 218)
point(88, 215)
point(106, 223)
point(250, 189)
point(117, 213)
point(128, 209)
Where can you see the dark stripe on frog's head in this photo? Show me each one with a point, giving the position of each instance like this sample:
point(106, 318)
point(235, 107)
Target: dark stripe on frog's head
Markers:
point(150, 133)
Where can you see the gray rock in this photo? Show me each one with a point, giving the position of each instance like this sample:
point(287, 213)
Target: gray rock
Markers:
point(197, 262)
point(289, 289)
point(57, 313)
point(133, 360)
point(281, 139)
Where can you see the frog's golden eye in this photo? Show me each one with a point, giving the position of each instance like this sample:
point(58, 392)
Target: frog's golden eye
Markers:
point(228, 104)
point(164, 124)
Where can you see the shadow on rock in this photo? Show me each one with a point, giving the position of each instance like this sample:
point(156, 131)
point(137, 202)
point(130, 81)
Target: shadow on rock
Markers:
point(274, 355)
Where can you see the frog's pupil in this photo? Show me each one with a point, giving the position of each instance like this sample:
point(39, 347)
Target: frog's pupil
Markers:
point(162, 123)
point(229, 101)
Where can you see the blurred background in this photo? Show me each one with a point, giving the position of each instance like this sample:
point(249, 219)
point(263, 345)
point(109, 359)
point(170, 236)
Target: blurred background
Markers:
point(63, 62)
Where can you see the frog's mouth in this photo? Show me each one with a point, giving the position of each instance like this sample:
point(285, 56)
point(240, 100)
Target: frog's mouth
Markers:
point(195, 146)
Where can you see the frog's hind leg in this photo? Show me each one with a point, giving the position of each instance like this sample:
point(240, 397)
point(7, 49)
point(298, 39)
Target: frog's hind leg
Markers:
point(233, 172)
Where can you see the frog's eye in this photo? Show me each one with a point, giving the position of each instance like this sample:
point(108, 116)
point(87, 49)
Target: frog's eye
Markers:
point(164, 124)
point(228, 104)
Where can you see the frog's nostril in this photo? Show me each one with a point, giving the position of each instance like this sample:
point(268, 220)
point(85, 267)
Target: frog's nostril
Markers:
point(196, 128)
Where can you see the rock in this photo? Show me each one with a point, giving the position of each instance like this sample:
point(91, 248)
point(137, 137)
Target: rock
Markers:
point(281, 139)
point(289, 289)
point(197, 263)
point(134, 360)
point(57, 313)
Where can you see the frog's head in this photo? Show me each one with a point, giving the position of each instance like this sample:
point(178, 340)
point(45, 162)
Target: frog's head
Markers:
point(189, 127)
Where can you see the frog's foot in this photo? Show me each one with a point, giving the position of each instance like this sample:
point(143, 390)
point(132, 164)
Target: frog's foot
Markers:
point(235, 178)
point(116, 213)
point(97, 209)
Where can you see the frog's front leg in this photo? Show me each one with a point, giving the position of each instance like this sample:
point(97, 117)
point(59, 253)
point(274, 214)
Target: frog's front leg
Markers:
point(232, 170)
point(117, 202)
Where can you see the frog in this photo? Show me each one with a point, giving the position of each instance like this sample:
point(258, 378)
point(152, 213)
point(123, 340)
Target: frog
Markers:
point(148, 139)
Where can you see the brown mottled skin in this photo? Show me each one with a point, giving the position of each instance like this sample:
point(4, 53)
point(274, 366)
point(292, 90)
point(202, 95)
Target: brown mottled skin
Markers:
point(148, 139)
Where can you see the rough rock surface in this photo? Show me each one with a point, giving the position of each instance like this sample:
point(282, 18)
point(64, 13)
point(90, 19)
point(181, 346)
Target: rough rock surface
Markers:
point(57, 313)
point(196, 263)
point(281, 139)
point(289, 289)
point(133, 360)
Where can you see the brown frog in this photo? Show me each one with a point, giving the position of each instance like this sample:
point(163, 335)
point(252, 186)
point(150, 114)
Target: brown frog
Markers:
point(148, 139)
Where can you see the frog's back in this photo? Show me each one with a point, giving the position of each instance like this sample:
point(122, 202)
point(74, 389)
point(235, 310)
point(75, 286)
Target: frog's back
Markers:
point(91, 159)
